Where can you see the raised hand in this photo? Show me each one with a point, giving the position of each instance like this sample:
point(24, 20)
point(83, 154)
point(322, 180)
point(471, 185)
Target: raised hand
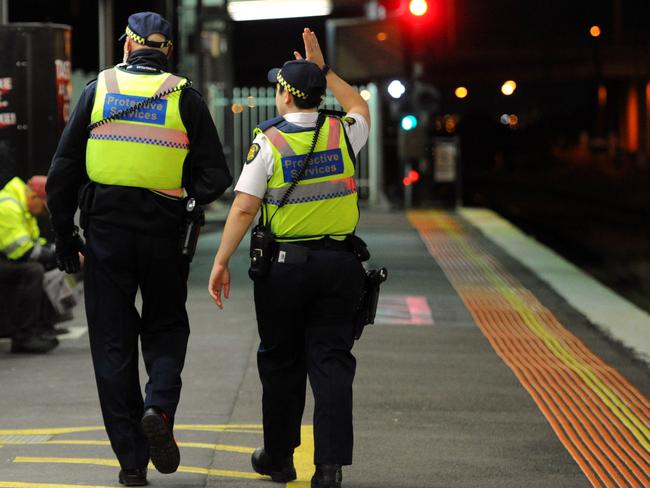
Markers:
point(313, 51)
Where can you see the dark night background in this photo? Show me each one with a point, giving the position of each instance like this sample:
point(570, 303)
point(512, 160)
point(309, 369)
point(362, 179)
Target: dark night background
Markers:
point(570, 173)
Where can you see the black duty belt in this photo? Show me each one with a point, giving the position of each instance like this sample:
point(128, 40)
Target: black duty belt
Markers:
point(325, 244)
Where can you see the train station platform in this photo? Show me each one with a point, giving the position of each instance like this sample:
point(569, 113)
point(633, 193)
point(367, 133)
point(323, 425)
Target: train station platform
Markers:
point(493, 363)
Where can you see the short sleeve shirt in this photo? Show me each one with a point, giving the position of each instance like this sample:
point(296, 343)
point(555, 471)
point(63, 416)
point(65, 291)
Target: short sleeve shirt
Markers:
point(259, 166)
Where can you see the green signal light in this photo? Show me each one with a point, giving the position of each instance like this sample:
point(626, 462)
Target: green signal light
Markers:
point(409, 122)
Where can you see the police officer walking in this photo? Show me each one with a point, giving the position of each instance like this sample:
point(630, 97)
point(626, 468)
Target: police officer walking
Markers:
point(138, 141)
point(300, 170)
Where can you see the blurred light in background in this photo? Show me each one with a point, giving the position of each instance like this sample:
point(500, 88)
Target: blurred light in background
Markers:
point(250, 101)
point(406, 181)
point(237, 108)
point(602, 95)
point(382, 36)
point(450, 123)
point(365, 94)
point(595, 31)
point(461, 92)
point(414, 176)
point(241, 10)
point(418, 7)
point(396, 89)
point(409, 122)
point(508, 88)
point(510, 120)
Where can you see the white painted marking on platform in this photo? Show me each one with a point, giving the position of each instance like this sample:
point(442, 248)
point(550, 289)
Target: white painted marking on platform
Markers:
point(403, 310)
point(613, 314)
point(76, 332)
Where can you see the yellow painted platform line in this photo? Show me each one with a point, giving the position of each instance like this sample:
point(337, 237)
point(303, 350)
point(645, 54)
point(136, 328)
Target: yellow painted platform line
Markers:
point(24, 484)
point(50, 431)
point(113, 463)
point(303, 458)
point(234, 428)
point(197, 445)
point(602, 420)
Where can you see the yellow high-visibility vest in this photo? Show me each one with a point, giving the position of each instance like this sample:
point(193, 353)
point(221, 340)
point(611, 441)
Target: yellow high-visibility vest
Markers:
point(19, 230)
point(324, 203)
point(146, 148)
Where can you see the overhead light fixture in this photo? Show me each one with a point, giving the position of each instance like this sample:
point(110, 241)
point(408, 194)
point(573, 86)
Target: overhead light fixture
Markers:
point(241, 10)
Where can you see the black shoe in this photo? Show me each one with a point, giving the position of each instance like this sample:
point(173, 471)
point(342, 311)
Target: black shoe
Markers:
point(33, 345)
point(281, 472)
point(327, 476)
point(133, 477)
point(163, 449)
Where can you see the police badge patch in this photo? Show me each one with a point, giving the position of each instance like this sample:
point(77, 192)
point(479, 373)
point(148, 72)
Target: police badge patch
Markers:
point(253, 152)
point(350, 120)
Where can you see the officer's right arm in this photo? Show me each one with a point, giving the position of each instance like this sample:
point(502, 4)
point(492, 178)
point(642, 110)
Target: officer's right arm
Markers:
point(68, 169)
point(241, 215)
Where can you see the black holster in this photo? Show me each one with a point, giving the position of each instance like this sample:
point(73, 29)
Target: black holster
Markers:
point(369, 299)
point(263, 247)
point(194, 220)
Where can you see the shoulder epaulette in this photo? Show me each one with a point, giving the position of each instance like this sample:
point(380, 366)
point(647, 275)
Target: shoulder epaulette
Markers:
point(270, 123)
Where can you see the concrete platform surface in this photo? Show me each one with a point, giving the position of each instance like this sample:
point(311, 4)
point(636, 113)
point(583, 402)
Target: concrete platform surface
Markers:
point(478, 373)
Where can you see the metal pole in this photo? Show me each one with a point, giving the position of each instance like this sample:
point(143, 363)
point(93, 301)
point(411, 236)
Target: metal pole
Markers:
point(199, 45)
point(4, 12)
point(106, 35)
point(171, 14)
point(375, 149)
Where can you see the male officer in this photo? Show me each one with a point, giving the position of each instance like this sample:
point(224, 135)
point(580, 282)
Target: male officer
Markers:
point(24, 257)
point(306, 305)
point(139, 165)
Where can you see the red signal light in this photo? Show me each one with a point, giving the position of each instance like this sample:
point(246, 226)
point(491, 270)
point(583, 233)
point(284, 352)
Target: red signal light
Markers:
point(406, 181)
point(413, 176)
point(418, 7)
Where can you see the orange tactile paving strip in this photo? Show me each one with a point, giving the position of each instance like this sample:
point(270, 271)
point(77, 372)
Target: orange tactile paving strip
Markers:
point(601, 419)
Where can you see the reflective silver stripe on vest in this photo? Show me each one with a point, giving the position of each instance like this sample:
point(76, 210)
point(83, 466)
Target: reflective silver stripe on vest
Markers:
point(5, 199)
point(110, 78)
point(7, 250)
point(313, 192)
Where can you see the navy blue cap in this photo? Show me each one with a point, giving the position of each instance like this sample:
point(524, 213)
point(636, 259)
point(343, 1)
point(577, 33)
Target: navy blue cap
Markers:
point(142, 24)
point(301, 78)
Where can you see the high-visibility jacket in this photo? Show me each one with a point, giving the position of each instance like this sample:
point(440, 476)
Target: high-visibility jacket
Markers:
point(144, 149)
point(324, 203)
point(19, 231)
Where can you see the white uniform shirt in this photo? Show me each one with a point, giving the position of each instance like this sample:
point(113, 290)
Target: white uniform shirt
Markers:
point(256, 173)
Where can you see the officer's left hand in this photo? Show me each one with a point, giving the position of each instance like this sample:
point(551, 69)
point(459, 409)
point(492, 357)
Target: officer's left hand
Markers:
point(219, 279)
point(68, 250)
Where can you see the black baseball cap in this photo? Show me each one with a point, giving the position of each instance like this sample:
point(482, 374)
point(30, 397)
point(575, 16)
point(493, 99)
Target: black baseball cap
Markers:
point(142, 24)
point(301, 78)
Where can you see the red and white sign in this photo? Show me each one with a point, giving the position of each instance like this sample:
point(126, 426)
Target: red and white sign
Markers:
point(63, 88)
point(7, 119)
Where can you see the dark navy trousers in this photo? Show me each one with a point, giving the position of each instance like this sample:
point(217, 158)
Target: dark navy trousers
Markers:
point(306, 319)
point(118, 263)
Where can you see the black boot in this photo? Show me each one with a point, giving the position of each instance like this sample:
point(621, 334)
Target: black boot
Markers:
point(133, 477)
point(327, 476)
point(35, 344)
point(281, 471)
point(163, 449)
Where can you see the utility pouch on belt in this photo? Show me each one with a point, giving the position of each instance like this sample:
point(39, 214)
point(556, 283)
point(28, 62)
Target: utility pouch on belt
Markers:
point(194, 220)
point(262, 248)
point(369, 299)
point(358, 247)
